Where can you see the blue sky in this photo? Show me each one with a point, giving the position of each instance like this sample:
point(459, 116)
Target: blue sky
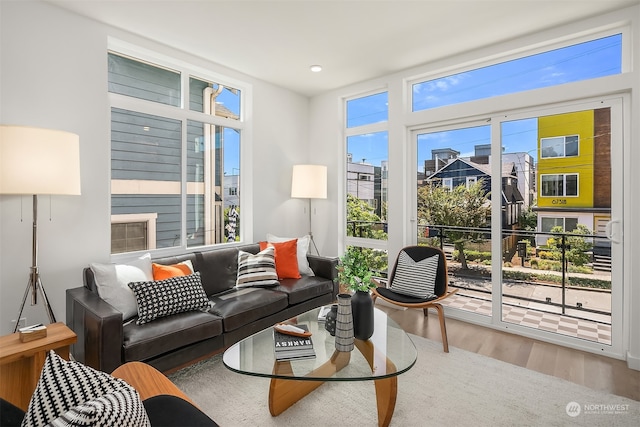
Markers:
point(583, 61)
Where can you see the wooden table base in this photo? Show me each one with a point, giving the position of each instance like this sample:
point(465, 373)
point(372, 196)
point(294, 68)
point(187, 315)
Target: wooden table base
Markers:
point(283, 393)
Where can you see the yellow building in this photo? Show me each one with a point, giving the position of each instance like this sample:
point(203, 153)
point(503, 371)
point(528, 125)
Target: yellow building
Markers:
point(574, 171)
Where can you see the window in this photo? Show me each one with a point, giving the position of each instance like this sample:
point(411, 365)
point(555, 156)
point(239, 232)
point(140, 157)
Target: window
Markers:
point(367, 166)
point(135, 232)
point(567, 224)
point(560, 146)
point(471, 180)
point(561, 185)
point(179, 167)
point(447, 183)
point(367, 110)
point(582, 61)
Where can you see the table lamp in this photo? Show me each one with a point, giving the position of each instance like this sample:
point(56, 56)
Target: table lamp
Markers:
point(38, 161)
point(309, 182)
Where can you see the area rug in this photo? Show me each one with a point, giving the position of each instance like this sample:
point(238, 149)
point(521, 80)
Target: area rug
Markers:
point(455, 389)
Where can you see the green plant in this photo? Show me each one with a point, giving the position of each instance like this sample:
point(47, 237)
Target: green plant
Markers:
point(353, 270)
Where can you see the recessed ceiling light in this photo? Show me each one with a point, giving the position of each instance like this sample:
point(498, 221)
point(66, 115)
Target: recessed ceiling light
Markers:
point(316, 68)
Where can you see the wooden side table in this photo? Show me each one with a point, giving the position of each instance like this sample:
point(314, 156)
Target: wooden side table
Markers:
point(21, 363)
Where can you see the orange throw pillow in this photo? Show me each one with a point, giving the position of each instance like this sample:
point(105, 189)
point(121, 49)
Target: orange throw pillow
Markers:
point(161, 272)
point(286, 258)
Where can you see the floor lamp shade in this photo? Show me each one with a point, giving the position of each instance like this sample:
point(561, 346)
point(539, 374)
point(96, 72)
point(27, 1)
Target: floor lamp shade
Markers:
point(38, 161)
point(309, 182)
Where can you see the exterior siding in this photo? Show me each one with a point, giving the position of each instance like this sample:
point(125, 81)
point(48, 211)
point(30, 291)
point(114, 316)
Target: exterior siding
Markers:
point(578, 123)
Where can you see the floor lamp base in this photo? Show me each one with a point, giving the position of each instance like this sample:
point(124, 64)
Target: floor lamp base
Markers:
point(35, 286)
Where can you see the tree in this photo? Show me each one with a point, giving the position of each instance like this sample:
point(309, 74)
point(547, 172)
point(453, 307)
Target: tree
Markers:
point(361, 219)
point(578, 247)
point(361, 222)
point(460, 207)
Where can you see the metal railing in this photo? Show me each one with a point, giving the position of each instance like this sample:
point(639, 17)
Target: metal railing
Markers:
point(574, 263)
point(580, 263)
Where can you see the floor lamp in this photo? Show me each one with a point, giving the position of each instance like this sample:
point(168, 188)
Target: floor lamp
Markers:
point(309, 182)
point(36, 162)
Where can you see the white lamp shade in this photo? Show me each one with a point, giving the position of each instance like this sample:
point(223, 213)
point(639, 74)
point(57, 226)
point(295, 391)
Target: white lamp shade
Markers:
point(309, 182)
point(38, 161)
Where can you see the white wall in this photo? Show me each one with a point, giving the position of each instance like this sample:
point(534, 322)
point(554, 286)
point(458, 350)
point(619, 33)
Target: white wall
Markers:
point(328, 146)
point(54, 74)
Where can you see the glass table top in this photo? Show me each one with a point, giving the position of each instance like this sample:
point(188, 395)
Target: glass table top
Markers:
point(389, 352)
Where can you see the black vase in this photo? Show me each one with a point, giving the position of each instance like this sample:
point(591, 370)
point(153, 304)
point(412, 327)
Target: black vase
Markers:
point(362, 310)
point(330, 320)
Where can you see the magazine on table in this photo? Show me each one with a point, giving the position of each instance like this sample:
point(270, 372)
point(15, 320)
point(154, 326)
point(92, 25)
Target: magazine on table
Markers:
point(291, 347)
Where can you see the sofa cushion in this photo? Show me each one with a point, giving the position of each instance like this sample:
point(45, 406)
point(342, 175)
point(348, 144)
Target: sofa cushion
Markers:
point(111, 281)
point(257, 270)
point(243, 306)
point(144, 342)
point(306, 288)
point(70, 392)
point(219, 267)
point(170, 296)
point(302, 251)
point(161, 271)
point(286, 258)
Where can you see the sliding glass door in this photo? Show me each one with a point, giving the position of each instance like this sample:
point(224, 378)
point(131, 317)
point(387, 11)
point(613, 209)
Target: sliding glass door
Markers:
point(528, 207)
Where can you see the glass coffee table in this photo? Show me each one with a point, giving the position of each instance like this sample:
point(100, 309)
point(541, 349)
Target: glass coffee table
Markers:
point(387, 354)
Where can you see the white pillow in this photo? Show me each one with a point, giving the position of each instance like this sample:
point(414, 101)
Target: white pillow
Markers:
point(112, 281)
point(303, 249)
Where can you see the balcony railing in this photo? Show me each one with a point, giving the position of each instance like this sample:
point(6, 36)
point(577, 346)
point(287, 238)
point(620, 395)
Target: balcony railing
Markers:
point(568, 275)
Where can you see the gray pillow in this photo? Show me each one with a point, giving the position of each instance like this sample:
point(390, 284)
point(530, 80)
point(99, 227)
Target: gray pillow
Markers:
point(416, 279)
point(112, 282)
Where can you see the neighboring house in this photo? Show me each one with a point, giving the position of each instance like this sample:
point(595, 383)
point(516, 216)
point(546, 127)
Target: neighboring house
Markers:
point(465, 172)
point(574, 173)
point(146, 166)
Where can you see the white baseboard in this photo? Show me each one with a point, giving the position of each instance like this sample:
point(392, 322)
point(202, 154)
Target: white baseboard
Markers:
point(633, 362)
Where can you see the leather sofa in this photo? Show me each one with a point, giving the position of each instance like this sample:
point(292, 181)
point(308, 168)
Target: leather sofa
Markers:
point(105, 342)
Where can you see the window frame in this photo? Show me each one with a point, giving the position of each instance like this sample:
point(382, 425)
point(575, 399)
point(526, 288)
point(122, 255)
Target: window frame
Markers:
point(514, 54)
point(184, 114)
point(564, 185)
point(361, 130)
point(564, 146)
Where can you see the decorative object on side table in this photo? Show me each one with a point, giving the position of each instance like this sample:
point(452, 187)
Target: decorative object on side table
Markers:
point(32, 332)
point(344, 324)
point(330, 320)
point(354, 274)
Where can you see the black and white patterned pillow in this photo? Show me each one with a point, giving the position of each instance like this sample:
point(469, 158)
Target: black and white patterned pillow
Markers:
point(170, 296)
point(416, 279)
point(257, 270)
point(72, 394)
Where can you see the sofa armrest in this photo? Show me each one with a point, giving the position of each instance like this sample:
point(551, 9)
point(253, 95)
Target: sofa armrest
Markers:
point(325, 267)
point(99, 329)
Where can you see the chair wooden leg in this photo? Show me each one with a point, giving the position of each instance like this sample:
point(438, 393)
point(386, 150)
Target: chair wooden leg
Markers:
point(443, 327)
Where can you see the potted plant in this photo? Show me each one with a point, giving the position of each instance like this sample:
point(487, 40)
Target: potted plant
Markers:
point(353, 271)
point(354, 275)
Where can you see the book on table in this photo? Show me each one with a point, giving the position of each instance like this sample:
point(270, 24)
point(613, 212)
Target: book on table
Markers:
point(290, 347)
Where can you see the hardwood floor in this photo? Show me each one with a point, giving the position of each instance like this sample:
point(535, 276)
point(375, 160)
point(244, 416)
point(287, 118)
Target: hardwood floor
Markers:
point(587, 369)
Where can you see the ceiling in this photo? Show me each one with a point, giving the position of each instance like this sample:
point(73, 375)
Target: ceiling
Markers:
point(277, 41)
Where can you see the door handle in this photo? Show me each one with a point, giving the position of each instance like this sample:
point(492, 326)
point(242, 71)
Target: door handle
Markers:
point(609, 231)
